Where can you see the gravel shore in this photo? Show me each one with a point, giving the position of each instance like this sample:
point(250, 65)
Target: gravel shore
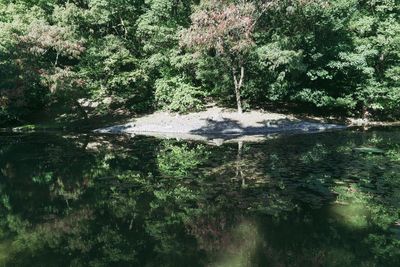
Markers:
point(216, 122)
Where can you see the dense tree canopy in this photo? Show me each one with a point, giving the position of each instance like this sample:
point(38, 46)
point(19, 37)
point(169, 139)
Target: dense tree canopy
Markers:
point(228, 30)
point(339, 57)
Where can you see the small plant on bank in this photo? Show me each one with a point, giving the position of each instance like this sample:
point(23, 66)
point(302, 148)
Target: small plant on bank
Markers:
point(175, 94)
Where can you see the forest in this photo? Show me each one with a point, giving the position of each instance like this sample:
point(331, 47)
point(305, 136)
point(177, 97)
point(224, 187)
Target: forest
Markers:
point(337, 57)
point(199, 133)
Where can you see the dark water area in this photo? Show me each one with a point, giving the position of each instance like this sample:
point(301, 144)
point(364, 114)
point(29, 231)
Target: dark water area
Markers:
point(326, 199)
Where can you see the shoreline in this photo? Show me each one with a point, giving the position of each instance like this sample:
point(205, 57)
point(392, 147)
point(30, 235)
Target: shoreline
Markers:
point(161, 122)
point(218, 122)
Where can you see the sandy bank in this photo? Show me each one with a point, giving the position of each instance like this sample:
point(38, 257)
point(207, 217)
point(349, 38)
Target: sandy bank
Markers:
point(216, 122)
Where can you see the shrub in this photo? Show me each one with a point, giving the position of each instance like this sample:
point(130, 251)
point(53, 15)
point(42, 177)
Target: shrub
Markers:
point(175, 94)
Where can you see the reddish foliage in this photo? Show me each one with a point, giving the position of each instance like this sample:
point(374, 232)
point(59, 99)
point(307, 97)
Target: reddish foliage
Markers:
point(42, 37)
point(227, 28)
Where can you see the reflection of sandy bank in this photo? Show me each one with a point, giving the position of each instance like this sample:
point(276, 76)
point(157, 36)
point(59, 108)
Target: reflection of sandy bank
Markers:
point(212, 140)
point(218, 139)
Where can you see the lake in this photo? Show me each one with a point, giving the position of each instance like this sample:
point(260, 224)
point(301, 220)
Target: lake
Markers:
point(323, 199)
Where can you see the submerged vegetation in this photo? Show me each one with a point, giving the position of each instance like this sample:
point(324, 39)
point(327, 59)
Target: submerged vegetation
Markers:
point(92, 57)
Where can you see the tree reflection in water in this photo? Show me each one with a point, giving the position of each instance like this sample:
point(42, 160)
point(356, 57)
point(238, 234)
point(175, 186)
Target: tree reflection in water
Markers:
point(303, 200)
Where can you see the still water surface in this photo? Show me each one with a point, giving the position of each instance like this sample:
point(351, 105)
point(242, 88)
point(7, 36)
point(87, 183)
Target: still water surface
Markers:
point(328, 199)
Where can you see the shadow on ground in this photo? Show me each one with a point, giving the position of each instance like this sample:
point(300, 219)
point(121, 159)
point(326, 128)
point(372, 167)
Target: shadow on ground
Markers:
point(229, 129)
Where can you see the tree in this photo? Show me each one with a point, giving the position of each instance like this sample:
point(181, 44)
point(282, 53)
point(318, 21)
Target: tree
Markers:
point(94, 57)
point(55, 47)
point(158, 34)
point(226, 29)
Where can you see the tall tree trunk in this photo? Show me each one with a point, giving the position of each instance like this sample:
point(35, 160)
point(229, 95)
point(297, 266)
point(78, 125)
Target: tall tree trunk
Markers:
point(238, 86)
point(56, 62)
